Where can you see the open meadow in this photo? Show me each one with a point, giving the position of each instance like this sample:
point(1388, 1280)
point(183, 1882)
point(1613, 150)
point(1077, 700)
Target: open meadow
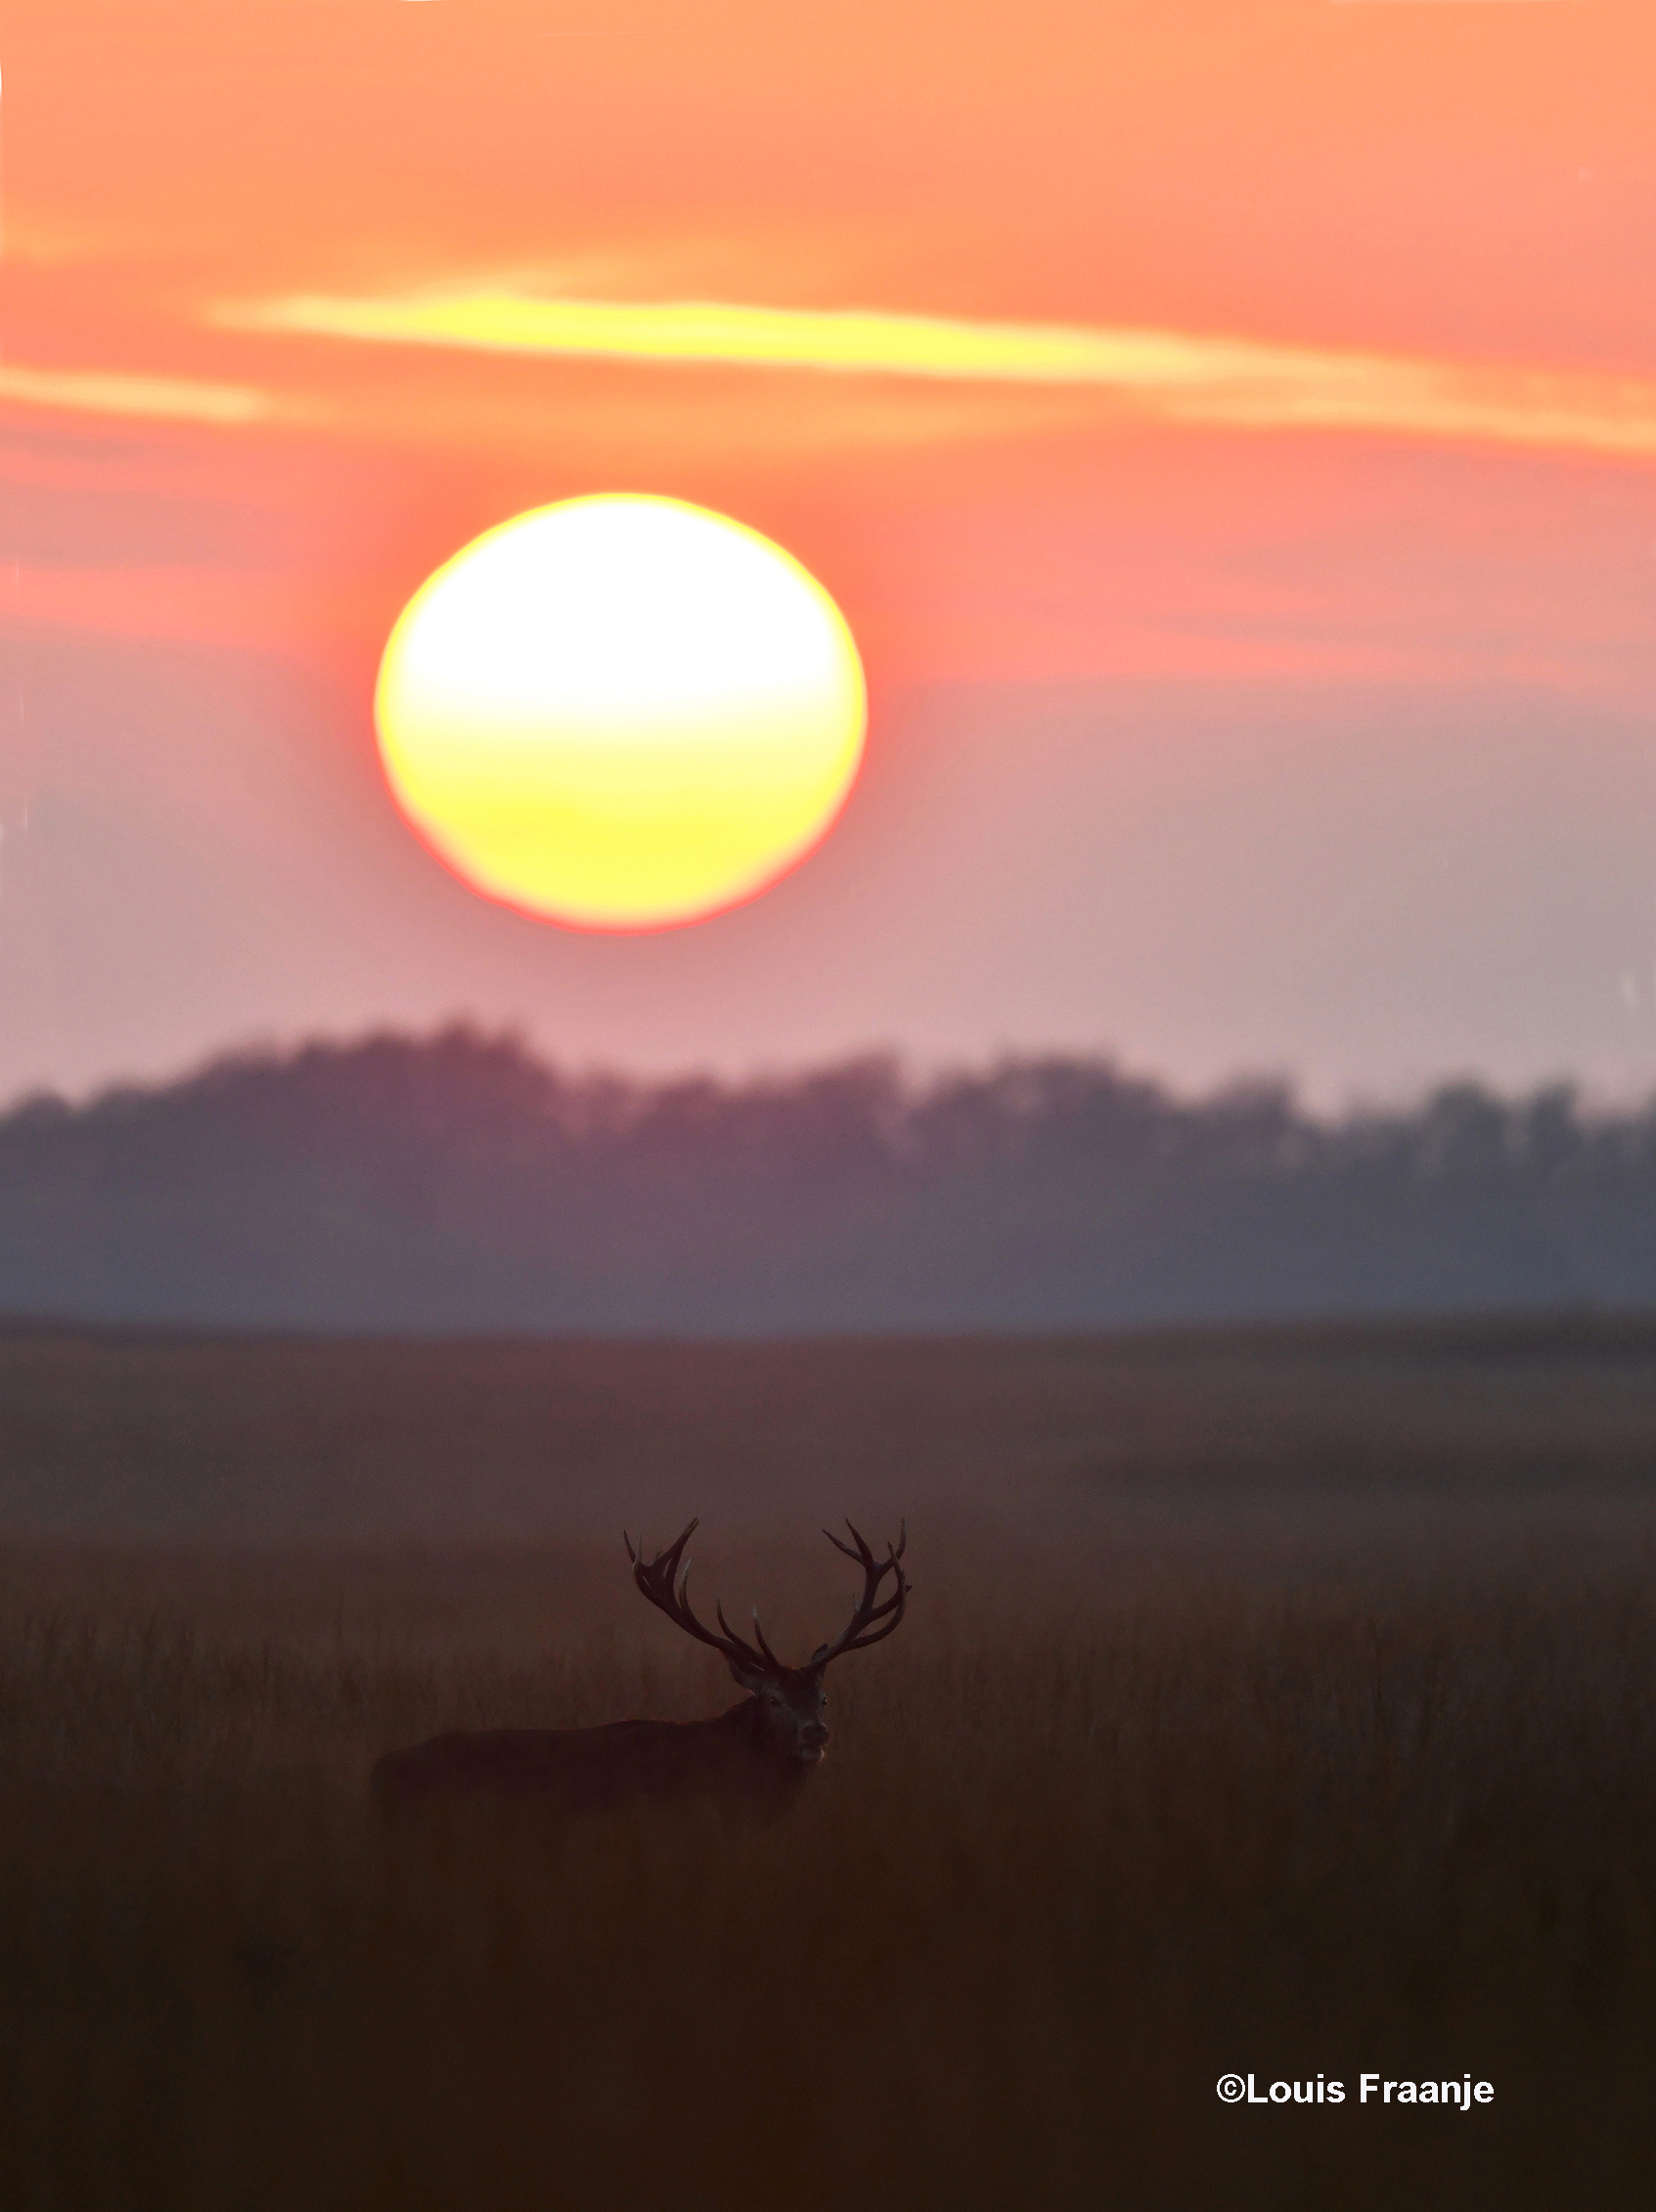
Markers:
point(1278, 1704)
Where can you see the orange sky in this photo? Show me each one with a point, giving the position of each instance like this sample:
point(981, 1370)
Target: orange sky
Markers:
point(1388, 445)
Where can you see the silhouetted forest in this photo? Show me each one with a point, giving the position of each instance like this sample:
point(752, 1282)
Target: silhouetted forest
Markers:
point(457, 1183)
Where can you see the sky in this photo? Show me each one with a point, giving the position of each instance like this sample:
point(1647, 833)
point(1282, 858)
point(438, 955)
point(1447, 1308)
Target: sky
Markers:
point(1228, 428)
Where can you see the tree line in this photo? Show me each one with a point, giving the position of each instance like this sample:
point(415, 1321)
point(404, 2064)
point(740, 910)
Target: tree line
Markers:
point(459, 1183)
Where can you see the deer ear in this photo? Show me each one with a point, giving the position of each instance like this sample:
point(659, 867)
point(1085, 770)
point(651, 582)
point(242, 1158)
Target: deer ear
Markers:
point(747, 1676)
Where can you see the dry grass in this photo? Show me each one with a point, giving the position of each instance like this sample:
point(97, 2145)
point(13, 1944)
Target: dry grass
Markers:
point(1076, 1853)
point(153, 1435)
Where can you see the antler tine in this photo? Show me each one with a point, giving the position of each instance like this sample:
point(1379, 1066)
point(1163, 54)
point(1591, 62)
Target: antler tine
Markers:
point(759, 1639)
point(892, 1553)
point(666, 1584)
point(889, 1613)
point(672, 1552)
point(863, 1553)
point(753, 1658)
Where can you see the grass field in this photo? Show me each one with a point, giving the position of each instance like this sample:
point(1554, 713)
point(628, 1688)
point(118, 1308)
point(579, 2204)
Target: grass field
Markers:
point(1133, 1800)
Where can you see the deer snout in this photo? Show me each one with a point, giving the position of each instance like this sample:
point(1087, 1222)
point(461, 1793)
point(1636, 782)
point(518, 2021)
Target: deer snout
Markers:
point(813, 1734)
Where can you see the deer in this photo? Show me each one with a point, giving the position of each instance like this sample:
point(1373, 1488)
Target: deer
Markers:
point(749, 1763)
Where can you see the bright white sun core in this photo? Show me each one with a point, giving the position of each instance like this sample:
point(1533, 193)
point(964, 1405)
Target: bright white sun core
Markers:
point(622, 712)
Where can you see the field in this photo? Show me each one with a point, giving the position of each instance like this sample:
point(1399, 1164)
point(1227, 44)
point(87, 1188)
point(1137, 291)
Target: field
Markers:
point(1273, 1704)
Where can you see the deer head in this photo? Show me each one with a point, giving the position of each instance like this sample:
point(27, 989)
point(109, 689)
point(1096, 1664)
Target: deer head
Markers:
point(790, 1700)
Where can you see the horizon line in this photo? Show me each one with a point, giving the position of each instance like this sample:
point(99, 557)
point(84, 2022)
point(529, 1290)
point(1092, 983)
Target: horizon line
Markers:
point(917, 1076)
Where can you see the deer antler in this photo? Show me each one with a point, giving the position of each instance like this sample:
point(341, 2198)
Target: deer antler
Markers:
point(889, 1613)
point(656, 1579)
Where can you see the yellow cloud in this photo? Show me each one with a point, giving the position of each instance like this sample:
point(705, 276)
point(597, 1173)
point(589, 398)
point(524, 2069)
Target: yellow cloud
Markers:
point(1168, 374)
point(106, 393)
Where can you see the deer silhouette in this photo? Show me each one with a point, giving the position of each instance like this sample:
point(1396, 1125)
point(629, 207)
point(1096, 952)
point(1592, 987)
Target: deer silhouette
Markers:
point(750, 1761)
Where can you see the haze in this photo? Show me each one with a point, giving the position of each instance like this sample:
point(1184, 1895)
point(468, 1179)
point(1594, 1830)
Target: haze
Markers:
point(1274, 691)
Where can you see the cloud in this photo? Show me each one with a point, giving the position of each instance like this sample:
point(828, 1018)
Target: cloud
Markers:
point(1169, 374)
point(159, 398)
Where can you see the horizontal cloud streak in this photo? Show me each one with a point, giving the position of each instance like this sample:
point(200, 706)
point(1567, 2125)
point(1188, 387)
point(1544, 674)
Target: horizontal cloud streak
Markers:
point(1168, 374)
point(110, 392)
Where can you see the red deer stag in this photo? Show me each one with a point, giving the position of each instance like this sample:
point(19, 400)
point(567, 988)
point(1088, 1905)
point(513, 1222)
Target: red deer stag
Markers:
point(750, 1761)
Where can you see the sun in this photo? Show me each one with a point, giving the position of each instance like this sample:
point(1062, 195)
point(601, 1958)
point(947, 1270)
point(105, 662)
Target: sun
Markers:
point(622, 712)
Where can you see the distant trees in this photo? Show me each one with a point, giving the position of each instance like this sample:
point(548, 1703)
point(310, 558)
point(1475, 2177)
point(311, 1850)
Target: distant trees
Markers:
point(457, 1183)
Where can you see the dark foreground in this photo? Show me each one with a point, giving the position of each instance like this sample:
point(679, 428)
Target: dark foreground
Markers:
point(1059, 1874)
point(1289, 1784)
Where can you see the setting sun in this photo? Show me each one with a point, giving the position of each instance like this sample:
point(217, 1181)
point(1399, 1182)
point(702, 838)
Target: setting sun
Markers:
point(622, 712)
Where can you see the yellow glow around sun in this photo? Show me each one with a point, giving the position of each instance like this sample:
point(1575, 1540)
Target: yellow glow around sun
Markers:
point(622, 712)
